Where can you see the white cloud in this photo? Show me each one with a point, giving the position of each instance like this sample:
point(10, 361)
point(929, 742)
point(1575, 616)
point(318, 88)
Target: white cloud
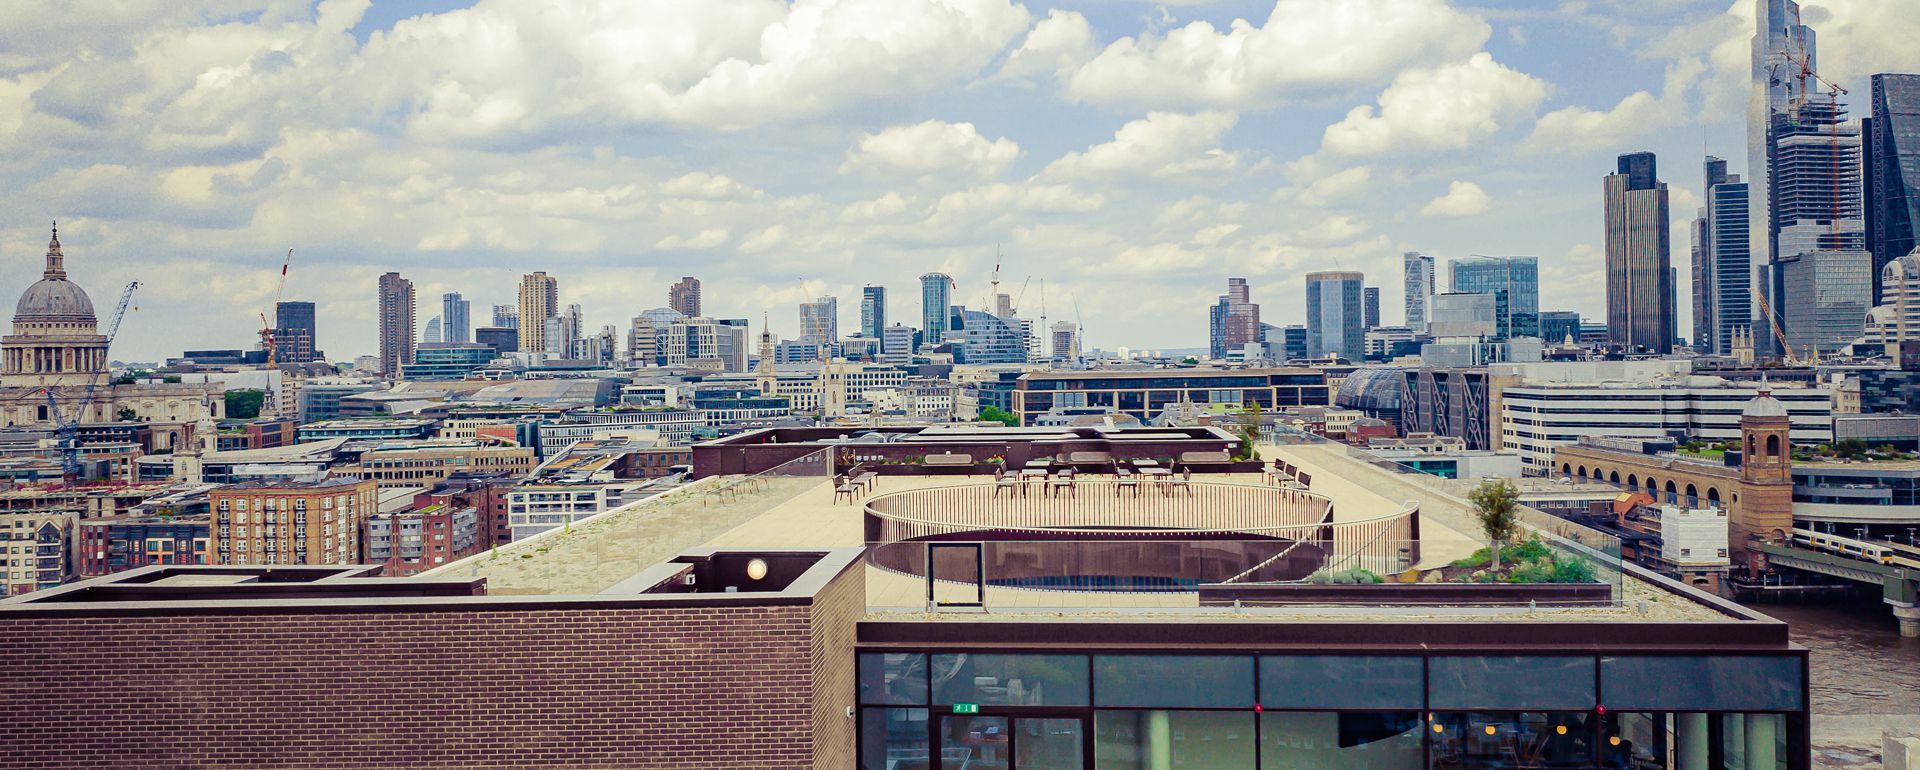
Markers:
point(1337, 187)
point(932, 147)
point(1449, 107)
point(1306, 47)
point(1578, 129)
point(1058, 44)
point(1161, 144)
point(1463, 199)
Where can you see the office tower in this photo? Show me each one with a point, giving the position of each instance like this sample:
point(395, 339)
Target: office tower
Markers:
point(295, 335)
point(1781, 45)
point(1464, 315)
point(1817, 207)
point(431, 334)
point(564, 333)
point(1557, 327)
point(1370, 306)
point(1896, 320)
point(684, 297)
point(1823, 298)
point(1728, 252)
point(1514, 283)
point(396, 323)
point(992, 339)
point(820, 322)
point(1334, 314)
point(1892, 154)
point(539, 301)
point(1065, 341)
point(506, 317)
point(1419, 272)
point(1639, 260)
point(1234, 321)
point(873, 311)
point(896, 343)
point(707, 344)
point(646, 340)
point(1700, 273)
point(455, 321)
point(502, 339)
point(936, 298)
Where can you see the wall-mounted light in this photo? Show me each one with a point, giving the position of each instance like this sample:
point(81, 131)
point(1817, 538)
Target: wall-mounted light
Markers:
point(757, 569)
point(1490, 729)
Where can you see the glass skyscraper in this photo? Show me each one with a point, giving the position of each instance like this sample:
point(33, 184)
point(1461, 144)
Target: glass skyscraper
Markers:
point(1729, 262)
point(1779, 41)
point(455, 318)
point(1419, 274)
point(1892, 154)
point(1639, 257)
point(873, 311)
point(1514, 283)
point(1335, 314)
point(936, 296)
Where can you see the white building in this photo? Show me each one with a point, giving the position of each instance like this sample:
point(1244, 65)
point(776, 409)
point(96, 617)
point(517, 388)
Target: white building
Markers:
point(1534, 417)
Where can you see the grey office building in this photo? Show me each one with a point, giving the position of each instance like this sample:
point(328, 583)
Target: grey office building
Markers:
point(1370, 306)
point(1514, 283)
point(1779, 42)
point(1728, 250)
point(1335, 324)
point(455, 318)
point(1824, 298)
point(1418, 271)
point(295, 333)
point(1639, 257)
point(873, 311)
point(1892, 159)
point(1558, 326)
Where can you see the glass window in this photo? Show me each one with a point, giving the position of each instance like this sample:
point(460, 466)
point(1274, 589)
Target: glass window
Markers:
point(1699, 683)
point(893, 677)
point(1354, 740)
point(1020, 680)
point(1150, 740)
point(1341, 682)
point(1753, 741)
point(1179, 681)
point(1506, 739)
point(893, 738)
point(1510, 682)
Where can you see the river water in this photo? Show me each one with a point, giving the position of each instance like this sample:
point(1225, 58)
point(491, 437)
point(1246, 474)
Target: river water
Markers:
point(1861, 665)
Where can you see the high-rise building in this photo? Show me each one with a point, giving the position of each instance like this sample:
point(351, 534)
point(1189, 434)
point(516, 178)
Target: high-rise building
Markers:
point(684, 296)
point(1559, 326)
point(295, 335)
point(539, 301)
point(1065, 341)
point(396, 323)
point(1334, 314)
point(506, 317)
point(936, 298)
point(431, 334)
point(1514, 283)
point(1728, 252)
point(993, 339)
point(1781, 46)
point(1896, 320)
point(564, 332)
point(291, 522)
point(1639, 257)
point(1701, 272)
point(1234, 320)
point(820, 322)
point(1823, 297)
point(1419, 272)
point(1370, 306)
point(1892, 159)
point(873, 311)
point(896, 343)
point(456, 323)
point(646, 339)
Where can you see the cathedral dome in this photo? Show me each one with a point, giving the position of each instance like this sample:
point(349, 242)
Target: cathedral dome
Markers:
point(53, 298)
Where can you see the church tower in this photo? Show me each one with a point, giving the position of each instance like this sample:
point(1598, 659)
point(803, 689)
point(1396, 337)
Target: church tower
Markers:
point(56, 339)
point(1764, 509)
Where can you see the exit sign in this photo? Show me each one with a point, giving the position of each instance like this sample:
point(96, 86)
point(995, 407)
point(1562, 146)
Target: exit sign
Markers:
point(966, 708)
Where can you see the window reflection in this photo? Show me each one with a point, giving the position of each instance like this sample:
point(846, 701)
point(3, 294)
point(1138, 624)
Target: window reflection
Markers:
point(1321, 740)
point(1163, 739)
point(894, 739)
point(1021, 680)
point(1513, 739)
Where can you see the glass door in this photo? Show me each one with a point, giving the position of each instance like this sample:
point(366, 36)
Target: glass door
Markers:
point(975, 742)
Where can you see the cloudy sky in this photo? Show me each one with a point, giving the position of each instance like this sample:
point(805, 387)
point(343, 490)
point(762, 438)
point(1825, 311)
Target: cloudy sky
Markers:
point(1131, 155)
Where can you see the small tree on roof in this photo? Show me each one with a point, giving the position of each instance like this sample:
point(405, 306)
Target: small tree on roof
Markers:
point(1496, 504)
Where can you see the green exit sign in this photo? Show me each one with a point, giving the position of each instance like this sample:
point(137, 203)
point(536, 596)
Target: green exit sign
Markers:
point(966, 708)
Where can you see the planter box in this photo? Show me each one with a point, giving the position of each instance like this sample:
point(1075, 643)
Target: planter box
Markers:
point(1414, 594)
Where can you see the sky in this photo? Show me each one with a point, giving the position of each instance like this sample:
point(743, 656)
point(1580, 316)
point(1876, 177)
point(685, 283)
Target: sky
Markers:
point(1124, 158)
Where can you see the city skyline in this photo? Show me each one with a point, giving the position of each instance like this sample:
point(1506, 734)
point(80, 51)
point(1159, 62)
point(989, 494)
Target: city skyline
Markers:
point(865, 195)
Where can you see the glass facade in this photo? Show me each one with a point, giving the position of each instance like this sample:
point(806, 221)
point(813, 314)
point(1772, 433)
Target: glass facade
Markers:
point(1331, 712)
point(1514, 283)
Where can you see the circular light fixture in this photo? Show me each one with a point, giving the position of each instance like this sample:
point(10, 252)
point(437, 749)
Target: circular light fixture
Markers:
point(1613, 740)
point(757, 569)
point(1561, 729)
point(1490, 729)
point(1439, 728)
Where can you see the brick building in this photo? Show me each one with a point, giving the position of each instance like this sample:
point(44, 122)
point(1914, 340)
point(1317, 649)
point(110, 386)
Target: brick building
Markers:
point(427, 463)
point(407, 543)
point(291, 522)
point(106, 546)
point(36, 552)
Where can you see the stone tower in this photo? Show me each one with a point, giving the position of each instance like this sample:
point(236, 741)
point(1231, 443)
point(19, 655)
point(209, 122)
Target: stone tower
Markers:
point(1765, 510)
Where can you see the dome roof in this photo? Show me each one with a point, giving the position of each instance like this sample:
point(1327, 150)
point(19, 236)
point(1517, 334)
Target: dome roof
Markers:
point(53, 297)
point(1764, 405)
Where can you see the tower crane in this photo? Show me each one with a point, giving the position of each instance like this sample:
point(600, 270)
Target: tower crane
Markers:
point(67, 430)
point(270, 342)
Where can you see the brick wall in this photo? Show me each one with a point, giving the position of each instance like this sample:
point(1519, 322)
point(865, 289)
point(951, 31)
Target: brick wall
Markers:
point(603, 686)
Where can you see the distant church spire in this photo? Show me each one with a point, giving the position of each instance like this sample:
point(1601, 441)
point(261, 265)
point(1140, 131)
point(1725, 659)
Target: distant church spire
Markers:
point(56, 262)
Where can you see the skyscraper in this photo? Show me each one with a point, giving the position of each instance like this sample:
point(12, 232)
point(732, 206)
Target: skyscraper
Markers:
point(1639, 257)
point(873, 311)
point(539, 301)
point(685, 296)
point(1892, 154)
point(820, 322)
point(431, 334)
point(1514, 283)
point(1334, 314)
point(936, 297)
point(1729, 257)
point(396, 323)
point(1419, 272)
point(1823, 298)
point(506, 317)
point(1065, 341)
point(455, 318)
point(1370, 307)
point(295, 334)
point(1701, 272)
point(1781, 45)
point(1234, 320)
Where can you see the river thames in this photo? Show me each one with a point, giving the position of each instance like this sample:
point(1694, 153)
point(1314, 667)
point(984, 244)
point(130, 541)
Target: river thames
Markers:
point(1866, 678)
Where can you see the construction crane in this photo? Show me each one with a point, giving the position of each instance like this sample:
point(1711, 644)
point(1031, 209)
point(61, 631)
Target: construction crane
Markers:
point(67, 431)
point(1801, 63)
point(270, 342)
